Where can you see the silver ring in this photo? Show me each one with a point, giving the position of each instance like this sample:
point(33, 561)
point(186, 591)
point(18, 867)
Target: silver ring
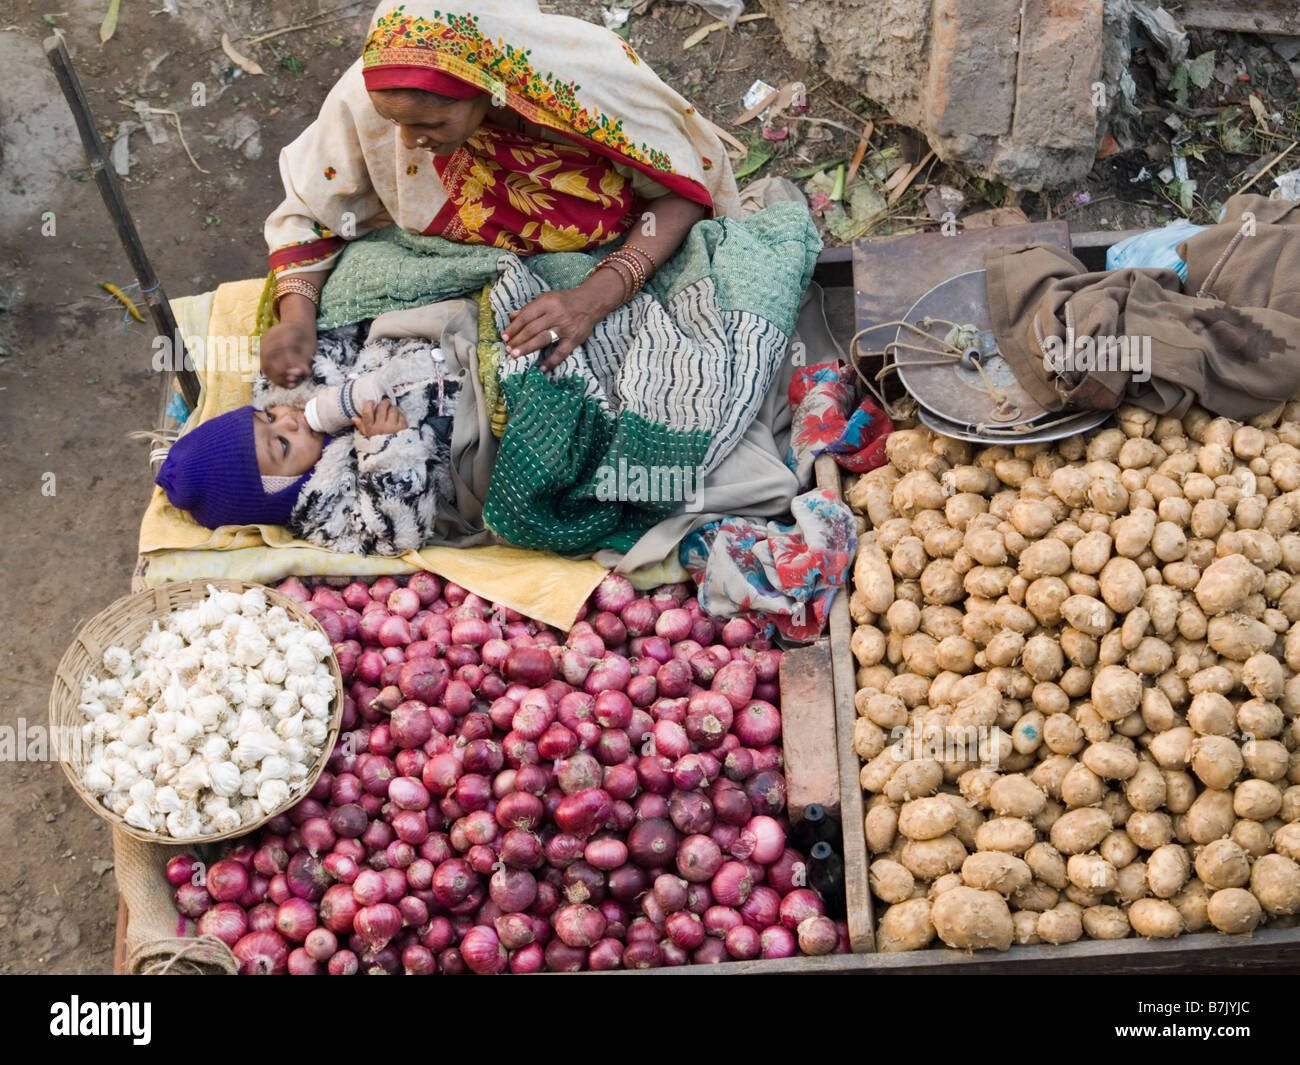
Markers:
point(555, 337)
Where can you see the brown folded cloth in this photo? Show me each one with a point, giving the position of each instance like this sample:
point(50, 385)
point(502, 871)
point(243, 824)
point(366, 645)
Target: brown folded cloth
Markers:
point(1230, 342)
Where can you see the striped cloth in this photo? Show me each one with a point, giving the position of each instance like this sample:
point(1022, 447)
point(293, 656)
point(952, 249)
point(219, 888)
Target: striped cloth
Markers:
point(625, 430)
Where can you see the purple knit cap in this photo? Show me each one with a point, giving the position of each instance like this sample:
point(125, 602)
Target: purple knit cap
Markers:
point(212, 472)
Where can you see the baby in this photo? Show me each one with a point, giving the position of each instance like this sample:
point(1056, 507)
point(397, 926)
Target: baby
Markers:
point(358, 460)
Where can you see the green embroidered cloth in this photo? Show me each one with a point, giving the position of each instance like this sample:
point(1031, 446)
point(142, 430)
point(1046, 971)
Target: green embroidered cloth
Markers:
point(623, 433)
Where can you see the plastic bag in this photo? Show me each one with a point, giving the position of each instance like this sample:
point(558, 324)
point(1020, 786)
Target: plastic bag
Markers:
point(1154, 249)
point(727, 10)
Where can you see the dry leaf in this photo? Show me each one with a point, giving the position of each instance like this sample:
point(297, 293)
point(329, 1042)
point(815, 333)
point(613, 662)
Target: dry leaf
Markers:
point(699, 35)
point(757, 109)
point(1109, 146)
point(994, 218)
point(724, 135)
point(109, 26)
point(1261, 112)
point(902, 186)
point(242, 61)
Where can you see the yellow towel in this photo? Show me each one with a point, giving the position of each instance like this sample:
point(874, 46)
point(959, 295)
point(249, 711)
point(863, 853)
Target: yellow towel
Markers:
point(175, 547)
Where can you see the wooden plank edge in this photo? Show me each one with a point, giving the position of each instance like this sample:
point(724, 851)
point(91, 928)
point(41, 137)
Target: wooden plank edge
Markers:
point(1269, 950)
point(857, 890)
point(119, 938)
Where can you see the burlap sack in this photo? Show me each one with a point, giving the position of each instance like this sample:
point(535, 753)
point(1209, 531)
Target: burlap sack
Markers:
point(158, 940)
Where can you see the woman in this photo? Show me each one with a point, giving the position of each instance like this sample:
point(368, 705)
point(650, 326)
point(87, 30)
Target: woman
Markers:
point(498, 125)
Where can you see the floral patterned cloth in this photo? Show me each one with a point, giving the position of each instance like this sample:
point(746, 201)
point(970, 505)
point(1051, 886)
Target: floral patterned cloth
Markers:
point(770, 572)
point(824, 420)
point(579, 89)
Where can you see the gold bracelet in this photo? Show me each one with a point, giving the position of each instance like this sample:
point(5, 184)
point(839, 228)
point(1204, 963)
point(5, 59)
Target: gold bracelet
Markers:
point(654, 265)
point(632, 263)
point(297, 285)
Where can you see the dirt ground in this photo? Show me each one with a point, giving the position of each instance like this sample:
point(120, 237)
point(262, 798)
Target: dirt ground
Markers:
point(75, 374)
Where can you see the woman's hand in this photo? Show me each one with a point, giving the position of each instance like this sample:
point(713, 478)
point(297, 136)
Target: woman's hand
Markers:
point(286, 352)
point(379, 420)
point(571, 313)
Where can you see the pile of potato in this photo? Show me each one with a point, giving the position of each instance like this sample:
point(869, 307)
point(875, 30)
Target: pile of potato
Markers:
point(1078, 682)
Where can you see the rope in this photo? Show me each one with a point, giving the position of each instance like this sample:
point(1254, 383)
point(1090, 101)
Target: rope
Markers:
point(203, 951)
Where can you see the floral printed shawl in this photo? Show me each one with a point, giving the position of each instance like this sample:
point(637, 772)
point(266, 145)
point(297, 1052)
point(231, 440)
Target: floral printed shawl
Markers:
point(611, 133)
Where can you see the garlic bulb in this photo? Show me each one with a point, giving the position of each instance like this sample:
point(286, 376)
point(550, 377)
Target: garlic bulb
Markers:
point(213, 721)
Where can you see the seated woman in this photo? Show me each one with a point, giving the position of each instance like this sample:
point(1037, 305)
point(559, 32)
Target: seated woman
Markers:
point(495, 124)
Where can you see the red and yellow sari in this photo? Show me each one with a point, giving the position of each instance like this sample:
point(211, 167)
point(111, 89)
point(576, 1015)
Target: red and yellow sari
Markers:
point(594, 148)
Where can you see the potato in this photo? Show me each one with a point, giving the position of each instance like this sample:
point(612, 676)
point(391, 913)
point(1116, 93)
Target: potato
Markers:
point(1091, 872)
point(1266, 759)
point(890, 881)
point(868, 645)
point(927, 818)
point(1210, 817)
point(1079, 831)
point(1044, 558)
point(873, 579)
point(1118, 848)
point(1110, 761)
point(1035, 897)
point(928, 858)
point(1061, 924)
point(1122, 584)
point(1018, 796)
point(1252, 837)
point(1011, 834)
point(1087, 614)
point(1275, 882)
point(1047, 864)
point(1238, 637)
point(1192, 902)
point(1151, 657)
point(995, 871)
point(1105, 922)
point(1222, 864)
point(968, 821)
point(1081, 787)
point(881, 824)
point(1235, 911)
point(1131, 883)
point(1025, 927)
point(941, 583)
point(913, 779)
point(1155, 919)
point(905, 926)
point(1172, 748)
point(1216, 760)
point(1149, 829)
point(1227, 584)
point(908, 558)
point(1116, 692)
point(968, 919)
point(1256, 800)
point(1145, 789)
point(868, 739)
point(941, 884)
point(1044, 598)
point(1168, 868)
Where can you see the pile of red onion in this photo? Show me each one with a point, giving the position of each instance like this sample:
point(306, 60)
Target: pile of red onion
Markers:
point(505, 798)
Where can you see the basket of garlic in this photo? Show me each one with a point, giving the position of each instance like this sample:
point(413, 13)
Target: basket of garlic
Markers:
point(196, 711)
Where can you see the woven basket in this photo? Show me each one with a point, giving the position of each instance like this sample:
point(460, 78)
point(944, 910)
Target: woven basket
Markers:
point(125, 624)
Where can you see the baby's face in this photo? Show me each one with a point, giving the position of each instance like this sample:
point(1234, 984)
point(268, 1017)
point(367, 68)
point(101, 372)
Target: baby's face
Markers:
point(286, 445)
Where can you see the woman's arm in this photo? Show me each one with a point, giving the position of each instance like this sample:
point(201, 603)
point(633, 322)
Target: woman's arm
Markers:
point(573, 313)
point(288, 347)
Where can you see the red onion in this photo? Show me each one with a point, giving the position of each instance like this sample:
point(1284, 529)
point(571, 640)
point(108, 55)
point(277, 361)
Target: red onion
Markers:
point(393, 631)
point(369, 887)
point(482, 756)
point(180, 869)
point(610, 628)
point(483, 952)
point(605, 955)
point(399, 854)
point(731, 806)
point(580, 925)
point(338, 909)
point(513, 890)
point(562, 958)
point(294, 589)
point(673, 955)
point(583, 813)
point(255, 892)
point(766, 791)
point(685, 929)
point(698, 858)
point(378, 924)
point(294, 919)
point(610, 672)
point(768, 839)
point(691, 812)
point(652, 843)
point(613, 747)
point(777, 942)
point(649, 805)
point(744, 943)
point(453, 881)
point(798, 906)
point(762, 908)
point(627, 883)
point(473, 632)
point(613, 593)
point(673, 679)
point(606, 854)
point(441, 772)
point(757, 724)
point(413, 910)
point(278, 889)
point(192, 900)
point(583, 882)
point(529, 959)
point(407, 793)
point(317, 835)
point(418, 961)
point(261, 918)
point(226, 921)
point(473, 792)
point(613, 709)
point(719, 920)
point(673, 625)
point(321, 944)
point(732, 884)
point(531, 666)
point(344, 963)
point(227, 880)
point(263, 953)
point(670, 892)
point(817, 935)
point(642, 954)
